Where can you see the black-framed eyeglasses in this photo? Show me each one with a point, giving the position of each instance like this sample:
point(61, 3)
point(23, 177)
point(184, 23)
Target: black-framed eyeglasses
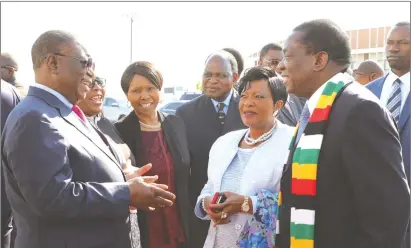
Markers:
point(99, 81)
point(87, 64)
point(9, 67)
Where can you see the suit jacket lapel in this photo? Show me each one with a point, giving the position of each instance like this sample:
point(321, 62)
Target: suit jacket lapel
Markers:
point(378, 87)
point(405, 113)
point(67, 114)
point(76, 122)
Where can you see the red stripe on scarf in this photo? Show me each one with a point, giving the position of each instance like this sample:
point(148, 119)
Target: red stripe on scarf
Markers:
point(320, 114)
point(303, 187)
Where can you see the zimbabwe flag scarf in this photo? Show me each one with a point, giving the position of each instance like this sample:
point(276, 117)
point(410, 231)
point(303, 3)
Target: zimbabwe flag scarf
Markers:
point(305, 164)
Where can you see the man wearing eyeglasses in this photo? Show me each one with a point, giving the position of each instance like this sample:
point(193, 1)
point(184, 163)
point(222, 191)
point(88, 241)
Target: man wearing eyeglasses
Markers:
point(66, 189)
point(8, 68)
point(206, 119)
point(270, 56)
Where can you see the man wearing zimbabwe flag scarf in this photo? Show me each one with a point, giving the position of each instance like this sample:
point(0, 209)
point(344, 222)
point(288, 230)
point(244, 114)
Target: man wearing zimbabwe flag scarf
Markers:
point(344, 184)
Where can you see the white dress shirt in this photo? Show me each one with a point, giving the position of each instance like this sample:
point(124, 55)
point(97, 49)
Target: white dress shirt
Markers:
point(55, 93)
point(387, 88)
point(226, 102)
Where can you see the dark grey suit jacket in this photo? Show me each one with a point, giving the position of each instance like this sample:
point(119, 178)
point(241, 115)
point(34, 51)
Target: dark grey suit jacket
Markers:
point(290, 113)
point(363, 199)
point(9, 99)
point(65, 189)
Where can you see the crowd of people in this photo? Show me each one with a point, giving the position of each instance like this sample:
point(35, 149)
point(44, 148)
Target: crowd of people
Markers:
point(297, 152)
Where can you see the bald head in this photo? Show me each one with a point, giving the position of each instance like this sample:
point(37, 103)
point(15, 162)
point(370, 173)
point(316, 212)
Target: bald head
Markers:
point(8, 67)
point(50, 42)
point(367, 72)
point(226, 57)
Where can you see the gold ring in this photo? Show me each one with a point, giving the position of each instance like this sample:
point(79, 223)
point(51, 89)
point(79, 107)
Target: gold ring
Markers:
point(223, 215)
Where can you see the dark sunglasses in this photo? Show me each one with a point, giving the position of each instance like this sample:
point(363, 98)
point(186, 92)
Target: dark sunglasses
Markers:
point(87, 64)
point(99, 81)
point(9, 68)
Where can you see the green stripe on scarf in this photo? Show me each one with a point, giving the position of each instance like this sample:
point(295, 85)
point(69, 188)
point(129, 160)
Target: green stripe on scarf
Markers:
point(302, 231)
point(310, 156)
point(306, 156)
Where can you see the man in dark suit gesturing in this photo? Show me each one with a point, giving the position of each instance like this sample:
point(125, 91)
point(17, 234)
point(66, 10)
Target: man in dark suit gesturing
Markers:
point(207, 118)
point(65, 187)
point(394, 88)
point(344, 183)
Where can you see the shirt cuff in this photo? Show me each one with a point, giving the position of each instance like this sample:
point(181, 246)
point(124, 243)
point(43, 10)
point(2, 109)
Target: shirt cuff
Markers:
point(198, 210)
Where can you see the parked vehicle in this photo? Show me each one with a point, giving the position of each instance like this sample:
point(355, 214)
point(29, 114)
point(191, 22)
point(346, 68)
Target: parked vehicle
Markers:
point(190, 96)
point(115, 109)
point(171, 107)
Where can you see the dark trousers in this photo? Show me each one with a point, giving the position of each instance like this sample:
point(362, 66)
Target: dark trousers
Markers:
point(198, 232)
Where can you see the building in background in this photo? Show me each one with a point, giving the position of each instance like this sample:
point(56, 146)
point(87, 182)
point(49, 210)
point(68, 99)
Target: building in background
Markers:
point(366, 44)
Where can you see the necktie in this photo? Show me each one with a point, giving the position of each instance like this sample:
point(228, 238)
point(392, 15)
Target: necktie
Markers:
point(220, 113)
point(394, 102)
point(79, 113)
point(305, 116)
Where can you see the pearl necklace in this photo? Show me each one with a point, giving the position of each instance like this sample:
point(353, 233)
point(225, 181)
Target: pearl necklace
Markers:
point(157, 126)
point(250, 141)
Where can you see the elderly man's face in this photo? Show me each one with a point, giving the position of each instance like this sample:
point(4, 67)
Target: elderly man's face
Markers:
point(218, 78)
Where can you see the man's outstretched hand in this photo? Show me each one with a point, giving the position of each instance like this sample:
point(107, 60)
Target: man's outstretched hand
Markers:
point(147, 195)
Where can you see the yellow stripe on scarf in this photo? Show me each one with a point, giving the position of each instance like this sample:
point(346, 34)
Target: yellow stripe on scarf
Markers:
point(326, 101)
point(301, 243)
point(304, 171)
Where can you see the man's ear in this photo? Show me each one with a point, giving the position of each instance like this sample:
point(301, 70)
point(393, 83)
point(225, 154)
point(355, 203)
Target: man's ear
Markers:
point(320, 61)
point(373, 76)
point(235, 77)
point(52, 64)
point(260, 62)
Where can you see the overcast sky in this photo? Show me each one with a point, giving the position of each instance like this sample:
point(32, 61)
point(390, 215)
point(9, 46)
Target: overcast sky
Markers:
point(176, 37)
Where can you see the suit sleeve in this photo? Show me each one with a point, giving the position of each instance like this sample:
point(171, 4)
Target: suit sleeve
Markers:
point(372, 155)
point(37, 156)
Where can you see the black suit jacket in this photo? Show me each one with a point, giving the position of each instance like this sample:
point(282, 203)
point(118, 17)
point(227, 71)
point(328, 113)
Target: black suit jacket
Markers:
point(363, 200)
point(175, 135)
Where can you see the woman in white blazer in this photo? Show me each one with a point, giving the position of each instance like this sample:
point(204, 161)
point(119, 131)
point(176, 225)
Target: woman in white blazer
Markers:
point(247, 165)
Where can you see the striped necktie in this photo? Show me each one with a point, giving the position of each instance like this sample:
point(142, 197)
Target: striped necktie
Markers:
point(394, 102)
point(221, 114)
point(305, 116)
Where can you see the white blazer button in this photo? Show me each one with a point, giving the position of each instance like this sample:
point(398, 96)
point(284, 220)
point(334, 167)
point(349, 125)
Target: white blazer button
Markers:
point(238, 227)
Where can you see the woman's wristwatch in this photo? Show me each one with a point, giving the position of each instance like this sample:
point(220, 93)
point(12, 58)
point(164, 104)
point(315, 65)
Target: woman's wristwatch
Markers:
point(246, 206)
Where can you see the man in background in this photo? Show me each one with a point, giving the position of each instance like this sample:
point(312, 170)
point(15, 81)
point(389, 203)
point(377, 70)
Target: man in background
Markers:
point(367, 72)
point(9, 99)
point(9, 67)
point(207, 118)
point(394, 90)
point(270, 56)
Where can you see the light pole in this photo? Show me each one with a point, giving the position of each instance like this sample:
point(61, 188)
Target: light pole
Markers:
point(130, 16)
point(131, 39)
